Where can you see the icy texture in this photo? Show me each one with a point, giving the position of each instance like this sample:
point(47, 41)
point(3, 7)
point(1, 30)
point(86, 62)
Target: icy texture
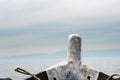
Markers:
point(71, 68)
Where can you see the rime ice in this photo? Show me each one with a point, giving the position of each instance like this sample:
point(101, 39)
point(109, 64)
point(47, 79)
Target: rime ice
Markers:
point(71, 68)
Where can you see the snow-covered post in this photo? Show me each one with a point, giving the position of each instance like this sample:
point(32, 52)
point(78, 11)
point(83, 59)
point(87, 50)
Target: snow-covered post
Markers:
point(71, 68)
point(74, 48)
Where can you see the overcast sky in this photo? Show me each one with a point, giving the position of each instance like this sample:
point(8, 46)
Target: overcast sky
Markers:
point(43, 26)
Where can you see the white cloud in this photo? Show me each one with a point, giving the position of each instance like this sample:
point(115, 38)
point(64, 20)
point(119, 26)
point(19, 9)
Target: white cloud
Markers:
point(33, 26)
point(27, 12)
point(100, 47)
point(28, 44)
point(29, 50)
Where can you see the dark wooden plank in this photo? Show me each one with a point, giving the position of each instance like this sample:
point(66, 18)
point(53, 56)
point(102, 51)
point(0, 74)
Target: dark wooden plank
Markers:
point(103, 76)
point(42, 76)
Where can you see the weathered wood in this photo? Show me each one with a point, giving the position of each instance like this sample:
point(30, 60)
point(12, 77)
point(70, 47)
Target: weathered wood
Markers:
point(103, 76)
point(5, 79)
point(42, 76)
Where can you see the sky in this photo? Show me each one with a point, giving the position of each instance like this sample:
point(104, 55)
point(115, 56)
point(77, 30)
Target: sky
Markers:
point(43, 26)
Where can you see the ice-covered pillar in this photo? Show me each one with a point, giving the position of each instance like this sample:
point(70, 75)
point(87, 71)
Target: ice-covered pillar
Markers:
point(74, 48)
point(72, 69)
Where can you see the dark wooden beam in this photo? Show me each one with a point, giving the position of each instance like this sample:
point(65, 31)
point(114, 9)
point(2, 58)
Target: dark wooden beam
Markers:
point(42, 76)
point(103, 76)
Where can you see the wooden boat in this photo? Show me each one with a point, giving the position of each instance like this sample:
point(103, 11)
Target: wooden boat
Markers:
point(70, 69)
point(5, 79)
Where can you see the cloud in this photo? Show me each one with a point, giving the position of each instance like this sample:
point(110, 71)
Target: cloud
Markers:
point(46, 39)
point(27, 12)
point(28, 26)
